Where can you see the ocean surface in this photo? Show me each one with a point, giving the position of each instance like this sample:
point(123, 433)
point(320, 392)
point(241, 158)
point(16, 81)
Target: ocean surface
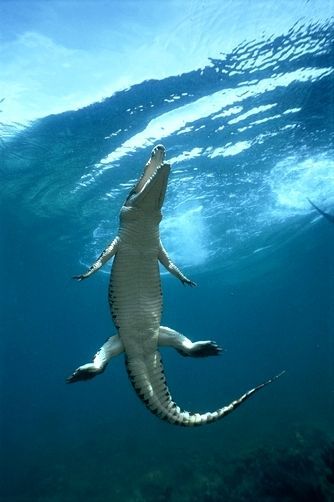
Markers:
point(250, 138)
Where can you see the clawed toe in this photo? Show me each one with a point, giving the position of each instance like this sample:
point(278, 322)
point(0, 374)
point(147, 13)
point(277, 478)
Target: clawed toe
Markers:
point(73, 378)
point(188, 282)
point(215, 347)
point(204, 349)
point(79, 375)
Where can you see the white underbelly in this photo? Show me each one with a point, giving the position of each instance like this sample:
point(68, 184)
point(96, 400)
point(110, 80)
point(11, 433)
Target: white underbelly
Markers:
point(135, 295)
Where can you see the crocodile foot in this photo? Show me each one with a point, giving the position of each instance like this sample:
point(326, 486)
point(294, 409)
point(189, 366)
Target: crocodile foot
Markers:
point(202, 349)
point(188, 282)
point(85, 372)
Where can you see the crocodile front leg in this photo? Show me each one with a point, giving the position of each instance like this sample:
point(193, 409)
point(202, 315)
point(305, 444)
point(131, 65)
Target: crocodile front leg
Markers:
point(172, 268)
point(106, 254)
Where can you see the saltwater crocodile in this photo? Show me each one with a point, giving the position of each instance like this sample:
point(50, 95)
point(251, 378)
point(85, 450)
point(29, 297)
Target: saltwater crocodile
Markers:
point(135, 300)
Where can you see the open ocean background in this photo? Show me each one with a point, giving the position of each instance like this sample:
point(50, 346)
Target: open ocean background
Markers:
point(250, 136)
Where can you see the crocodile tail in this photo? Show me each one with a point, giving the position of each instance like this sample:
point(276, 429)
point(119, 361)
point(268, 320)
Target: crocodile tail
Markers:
point(149, 382)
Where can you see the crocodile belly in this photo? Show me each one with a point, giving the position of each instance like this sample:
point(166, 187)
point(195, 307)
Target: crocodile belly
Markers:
point(135, 297)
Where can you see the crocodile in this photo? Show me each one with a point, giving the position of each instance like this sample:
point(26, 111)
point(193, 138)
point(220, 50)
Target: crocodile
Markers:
point(135, 300)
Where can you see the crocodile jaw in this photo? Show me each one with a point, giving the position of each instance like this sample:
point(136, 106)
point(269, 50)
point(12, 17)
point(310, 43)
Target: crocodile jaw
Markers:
point(149, 192)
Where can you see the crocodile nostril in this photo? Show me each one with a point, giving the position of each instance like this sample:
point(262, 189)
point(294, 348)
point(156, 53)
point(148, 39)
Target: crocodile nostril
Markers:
point(158, 148)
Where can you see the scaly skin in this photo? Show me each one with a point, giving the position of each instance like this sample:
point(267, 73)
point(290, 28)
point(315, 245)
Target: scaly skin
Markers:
point(135, 300)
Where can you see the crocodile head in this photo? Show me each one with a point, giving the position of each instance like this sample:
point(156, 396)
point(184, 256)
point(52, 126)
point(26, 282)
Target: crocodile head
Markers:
point(149, 192)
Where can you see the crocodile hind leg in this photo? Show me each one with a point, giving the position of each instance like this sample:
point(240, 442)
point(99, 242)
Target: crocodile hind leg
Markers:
point(170, 338)
point(167, 338)
point(111, 348)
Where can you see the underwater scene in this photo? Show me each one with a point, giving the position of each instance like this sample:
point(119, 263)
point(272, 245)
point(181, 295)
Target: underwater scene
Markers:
point(241, 96)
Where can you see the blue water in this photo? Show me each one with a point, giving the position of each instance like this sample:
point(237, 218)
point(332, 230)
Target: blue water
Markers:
point(250, 138)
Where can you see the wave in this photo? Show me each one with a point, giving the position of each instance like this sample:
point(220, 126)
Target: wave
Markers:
point(249, 137)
